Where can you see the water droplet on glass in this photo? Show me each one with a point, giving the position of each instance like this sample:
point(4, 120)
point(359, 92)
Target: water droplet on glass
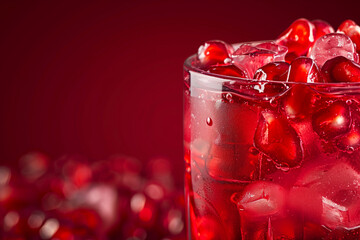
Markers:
point(349, 102)
point(209, 121)
point(350, 150)
point(284, 168)
point(253, 151)
point(273, 102)
point(228, 96)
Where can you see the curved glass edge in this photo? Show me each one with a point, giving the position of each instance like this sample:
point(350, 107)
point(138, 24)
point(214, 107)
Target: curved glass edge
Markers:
point(189, 66)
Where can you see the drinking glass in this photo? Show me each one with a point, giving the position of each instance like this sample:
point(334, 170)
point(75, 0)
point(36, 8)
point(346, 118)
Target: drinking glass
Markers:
point(270, 159)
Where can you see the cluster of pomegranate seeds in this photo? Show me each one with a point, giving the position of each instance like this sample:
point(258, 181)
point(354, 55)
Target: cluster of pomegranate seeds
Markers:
point(315, 40)
point(72, 199)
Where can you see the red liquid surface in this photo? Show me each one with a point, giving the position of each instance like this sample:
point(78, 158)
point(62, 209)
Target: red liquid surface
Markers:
point(272, 161)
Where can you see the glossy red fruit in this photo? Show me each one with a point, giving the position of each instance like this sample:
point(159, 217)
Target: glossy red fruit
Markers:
point(275, 71)
point(321, 28)
point(351, 29)
point(341, 69)
point(332, 121)
point(228, 70)
point(278, 140)
point(351, 141)
point(298, 101)
point(304, 69)
point(298, 38)
point(214, 52)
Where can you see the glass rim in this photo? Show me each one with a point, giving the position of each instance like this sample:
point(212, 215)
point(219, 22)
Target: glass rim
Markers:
point(190, 67)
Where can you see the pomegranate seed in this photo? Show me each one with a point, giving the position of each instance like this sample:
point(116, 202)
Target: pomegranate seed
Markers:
point(304, 69)
point(298, 102)
point(297, 38)
point(332, 121)
point(321, 28)
point(277, 139)
point(276, 71)
point(228, 70)
point(214, 52)
point(341, 69)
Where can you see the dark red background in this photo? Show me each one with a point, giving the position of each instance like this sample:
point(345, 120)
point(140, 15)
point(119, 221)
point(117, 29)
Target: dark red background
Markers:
point(99, 78)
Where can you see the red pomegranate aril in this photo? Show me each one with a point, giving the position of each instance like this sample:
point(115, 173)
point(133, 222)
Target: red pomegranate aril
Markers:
point(321, 28)
point(228, 70)
point(275, 71)
point(298, 101)
point(351, 141)
point(277, 139)
point(304, 69)
point(298, 38)
point(214, 52)
point(351, 29)
point(341, 69)
point(332, 121)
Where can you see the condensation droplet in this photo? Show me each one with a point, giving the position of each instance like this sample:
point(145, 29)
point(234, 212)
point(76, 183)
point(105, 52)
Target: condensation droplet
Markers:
point(229, 97)
point(349, 102)
point(253, 151)
point(273, 102)
point(284, 168)
point(350, 150)
point(209, 121)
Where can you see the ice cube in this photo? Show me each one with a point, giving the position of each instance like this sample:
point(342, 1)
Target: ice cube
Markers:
point(338, 185)
point(251, 56)
point(261, 199)
point(232, 163)
point(333, 45)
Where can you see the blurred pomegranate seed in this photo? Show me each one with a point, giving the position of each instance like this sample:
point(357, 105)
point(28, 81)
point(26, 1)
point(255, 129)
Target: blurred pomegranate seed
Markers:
point(333, 45)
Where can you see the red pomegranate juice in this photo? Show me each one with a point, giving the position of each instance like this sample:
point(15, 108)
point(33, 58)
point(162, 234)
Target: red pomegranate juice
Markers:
point(272, 139)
